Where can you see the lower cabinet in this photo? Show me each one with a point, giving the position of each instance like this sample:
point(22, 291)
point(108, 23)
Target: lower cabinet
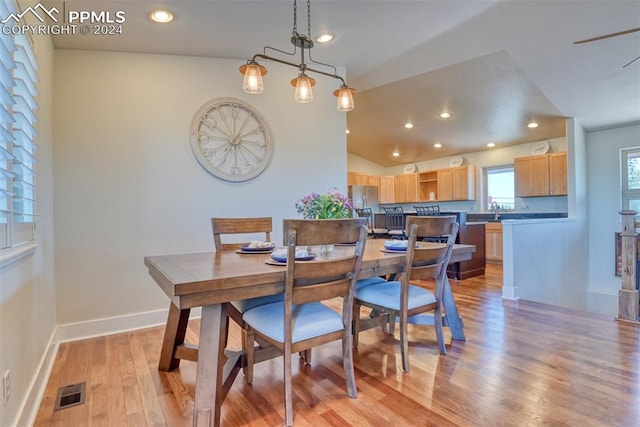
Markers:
point(493, 242)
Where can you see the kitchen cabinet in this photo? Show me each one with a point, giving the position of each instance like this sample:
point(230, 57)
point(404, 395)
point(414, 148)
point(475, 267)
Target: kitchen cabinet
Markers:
point(470, 233)
point(445, 184)
point(362, 179)
point(387, 190)
point(374, 181)
point(558, 174)
point(351, 178)
point(493, 242)
point(541, 175)
point(406, 188)
point(456, 183)
point(428, 182)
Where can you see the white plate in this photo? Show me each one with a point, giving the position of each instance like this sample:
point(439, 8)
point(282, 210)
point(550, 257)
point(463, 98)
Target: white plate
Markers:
point(540, 148)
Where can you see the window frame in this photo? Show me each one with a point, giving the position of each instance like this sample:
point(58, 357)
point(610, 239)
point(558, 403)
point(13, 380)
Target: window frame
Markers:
point(626, 193)
point(486, 171)
point(18, 149)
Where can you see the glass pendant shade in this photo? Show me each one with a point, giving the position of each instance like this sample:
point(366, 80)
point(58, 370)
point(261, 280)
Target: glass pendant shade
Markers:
point(345, 99)
point(304, 93)
point(252, 79)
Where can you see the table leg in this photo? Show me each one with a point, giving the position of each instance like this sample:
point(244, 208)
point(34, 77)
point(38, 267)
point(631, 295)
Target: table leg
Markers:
point(209, 373)
point(174, 334)
point(453, 319)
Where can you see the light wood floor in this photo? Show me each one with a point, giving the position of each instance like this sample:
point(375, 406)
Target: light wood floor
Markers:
point(523, 364)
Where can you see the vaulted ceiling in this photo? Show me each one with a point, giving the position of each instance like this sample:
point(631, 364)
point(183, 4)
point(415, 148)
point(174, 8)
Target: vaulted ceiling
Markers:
point(494, 65)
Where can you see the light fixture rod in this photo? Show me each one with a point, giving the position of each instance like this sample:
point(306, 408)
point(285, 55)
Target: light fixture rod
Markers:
point(282, 61)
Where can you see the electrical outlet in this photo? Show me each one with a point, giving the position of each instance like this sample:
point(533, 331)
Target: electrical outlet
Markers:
point(6, 386)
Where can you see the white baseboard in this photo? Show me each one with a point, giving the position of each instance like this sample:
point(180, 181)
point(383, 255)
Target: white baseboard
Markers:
point(31, 403)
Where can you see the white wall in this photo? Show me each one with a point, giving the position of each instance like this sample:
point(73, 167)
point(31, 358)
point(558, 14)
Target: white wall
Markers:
point(548, 260)
point(128, 185)
point(480, 159)
point(605, 201)
point(27, 286)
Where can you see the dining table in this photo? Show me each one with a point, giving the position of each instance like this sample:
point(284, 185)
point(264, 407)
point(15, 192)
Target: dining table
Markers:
point(211, 280)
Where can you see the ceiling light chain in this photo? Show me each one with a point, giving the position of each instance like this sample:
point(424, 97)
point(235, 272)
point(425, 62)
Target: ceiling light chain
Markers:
point(253, 71)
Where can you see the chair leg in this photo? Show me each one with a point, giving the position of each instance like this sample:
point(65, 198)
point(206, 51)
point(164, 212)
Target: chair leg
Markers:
point(356, 323)
point(437, 321)
point(288, 389)
point(249, 348)
point(404, 342)
point(347, 361)
point(306, 355)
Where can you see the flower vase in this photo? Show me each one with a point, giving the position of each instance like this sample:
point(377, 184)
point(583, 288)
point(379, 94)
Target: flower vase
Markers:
point(325, 249)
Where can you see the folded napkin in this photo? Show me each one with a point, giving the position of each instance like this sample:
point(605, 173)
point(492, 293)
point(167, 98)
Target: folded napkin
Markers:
point(282, 253)
point(396, 243)
point(260, 244)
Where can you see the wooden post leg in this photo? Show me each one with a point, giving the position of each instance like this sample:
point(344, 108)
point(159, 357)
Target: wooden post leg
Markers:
point(209, 373)
point(451, 312)
point(173, 336)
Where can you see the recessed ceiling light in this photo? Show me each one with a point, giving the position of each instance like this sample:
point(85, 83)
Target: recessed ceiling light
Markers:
point(491, 145)
point(347, 131)
point(408, 125)
point(325, 38)
point(445, 115)
point(437, 145)
point(532, 125)
point(396, 154)
point(161, 16)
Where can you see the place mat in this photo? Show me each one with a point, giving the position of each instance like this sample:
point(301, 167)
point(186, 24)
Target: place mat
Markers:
point(345, 244)
point(265, 251)
point(272, 261)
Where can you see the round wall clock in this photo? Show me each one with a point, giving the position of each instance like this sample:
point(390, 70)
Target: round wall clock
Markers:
point(231, 139)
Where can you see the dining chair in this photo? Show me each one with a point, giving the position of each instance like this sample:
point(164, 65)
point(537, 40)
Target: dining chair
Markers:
point(395, 220)
point(374, 232)
point(402, 299)
point(427, 210)
point(302, 321)
point(259, 227)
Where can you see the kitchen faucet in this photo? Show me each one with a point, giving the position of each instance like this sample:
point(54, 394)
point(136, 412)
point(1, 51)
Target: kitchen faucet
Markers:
point(495, 207)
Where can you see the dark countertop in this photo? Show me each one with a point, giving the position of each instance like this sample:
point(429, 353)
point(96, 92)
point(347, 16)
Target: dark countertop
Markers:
point(489, 216)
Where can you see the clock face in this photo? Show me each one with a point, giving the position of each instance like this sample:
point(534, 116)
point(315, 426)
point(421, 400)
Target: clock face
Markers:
point(231, 139)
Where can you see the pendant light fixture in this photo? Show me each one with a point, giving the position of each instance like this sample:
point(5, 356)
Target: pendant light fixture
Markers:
point(253, 71)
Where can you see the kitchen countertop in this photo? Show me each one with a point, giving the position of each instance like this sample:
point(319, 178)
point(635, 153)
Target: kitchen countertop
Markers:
point(489, 216)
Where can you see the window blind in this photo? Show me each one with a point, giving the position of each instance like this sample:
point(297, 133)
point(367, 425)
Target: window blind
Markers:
point(18, 94)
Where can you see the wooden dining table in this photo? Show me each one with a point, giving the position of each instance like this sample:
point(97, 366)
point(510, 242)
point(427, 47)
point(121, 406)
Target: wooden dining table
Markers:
point(212, 279)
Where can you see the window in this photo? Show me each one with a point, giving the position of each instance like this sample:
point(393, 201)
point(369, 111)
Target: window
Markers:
point(500, 187)
point(17, 137)
point(631, 179)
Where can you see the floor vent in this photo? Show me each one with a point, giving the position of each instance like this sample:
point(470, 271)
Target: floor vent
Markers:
point(70, 395)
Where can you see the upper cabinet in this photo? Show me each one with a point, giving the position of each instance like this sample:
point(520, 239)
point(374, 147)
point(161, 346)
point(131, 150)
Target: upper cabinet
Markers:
point(406, 188)
point(358, 178)
point(387, 190)
point(542, 175)
point(456, 183)
point(558, 174)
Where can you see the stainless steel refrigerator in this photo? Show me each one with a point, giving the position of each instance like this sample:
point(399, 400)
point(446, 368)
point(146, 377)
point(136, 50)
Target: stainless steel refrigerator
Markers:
point(364, 196)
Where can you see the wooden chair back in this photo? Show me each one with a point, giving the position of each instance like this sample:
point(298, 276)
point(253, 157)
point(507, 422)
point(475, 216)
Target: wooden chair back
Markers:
point(429, 260)
point(324, 278)
point(262, 226)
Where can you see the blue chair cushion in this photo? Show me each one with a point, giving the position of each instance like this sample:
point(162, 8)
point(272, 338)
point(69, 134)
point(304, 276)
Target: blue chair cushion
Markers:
point(369, 281)
point(247, 304)
point(309, 320)
point(388, 295)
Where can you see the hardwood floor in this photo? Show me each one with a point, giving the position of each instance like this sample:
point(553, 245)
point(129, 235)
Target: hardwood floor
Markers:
point(523, 364)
